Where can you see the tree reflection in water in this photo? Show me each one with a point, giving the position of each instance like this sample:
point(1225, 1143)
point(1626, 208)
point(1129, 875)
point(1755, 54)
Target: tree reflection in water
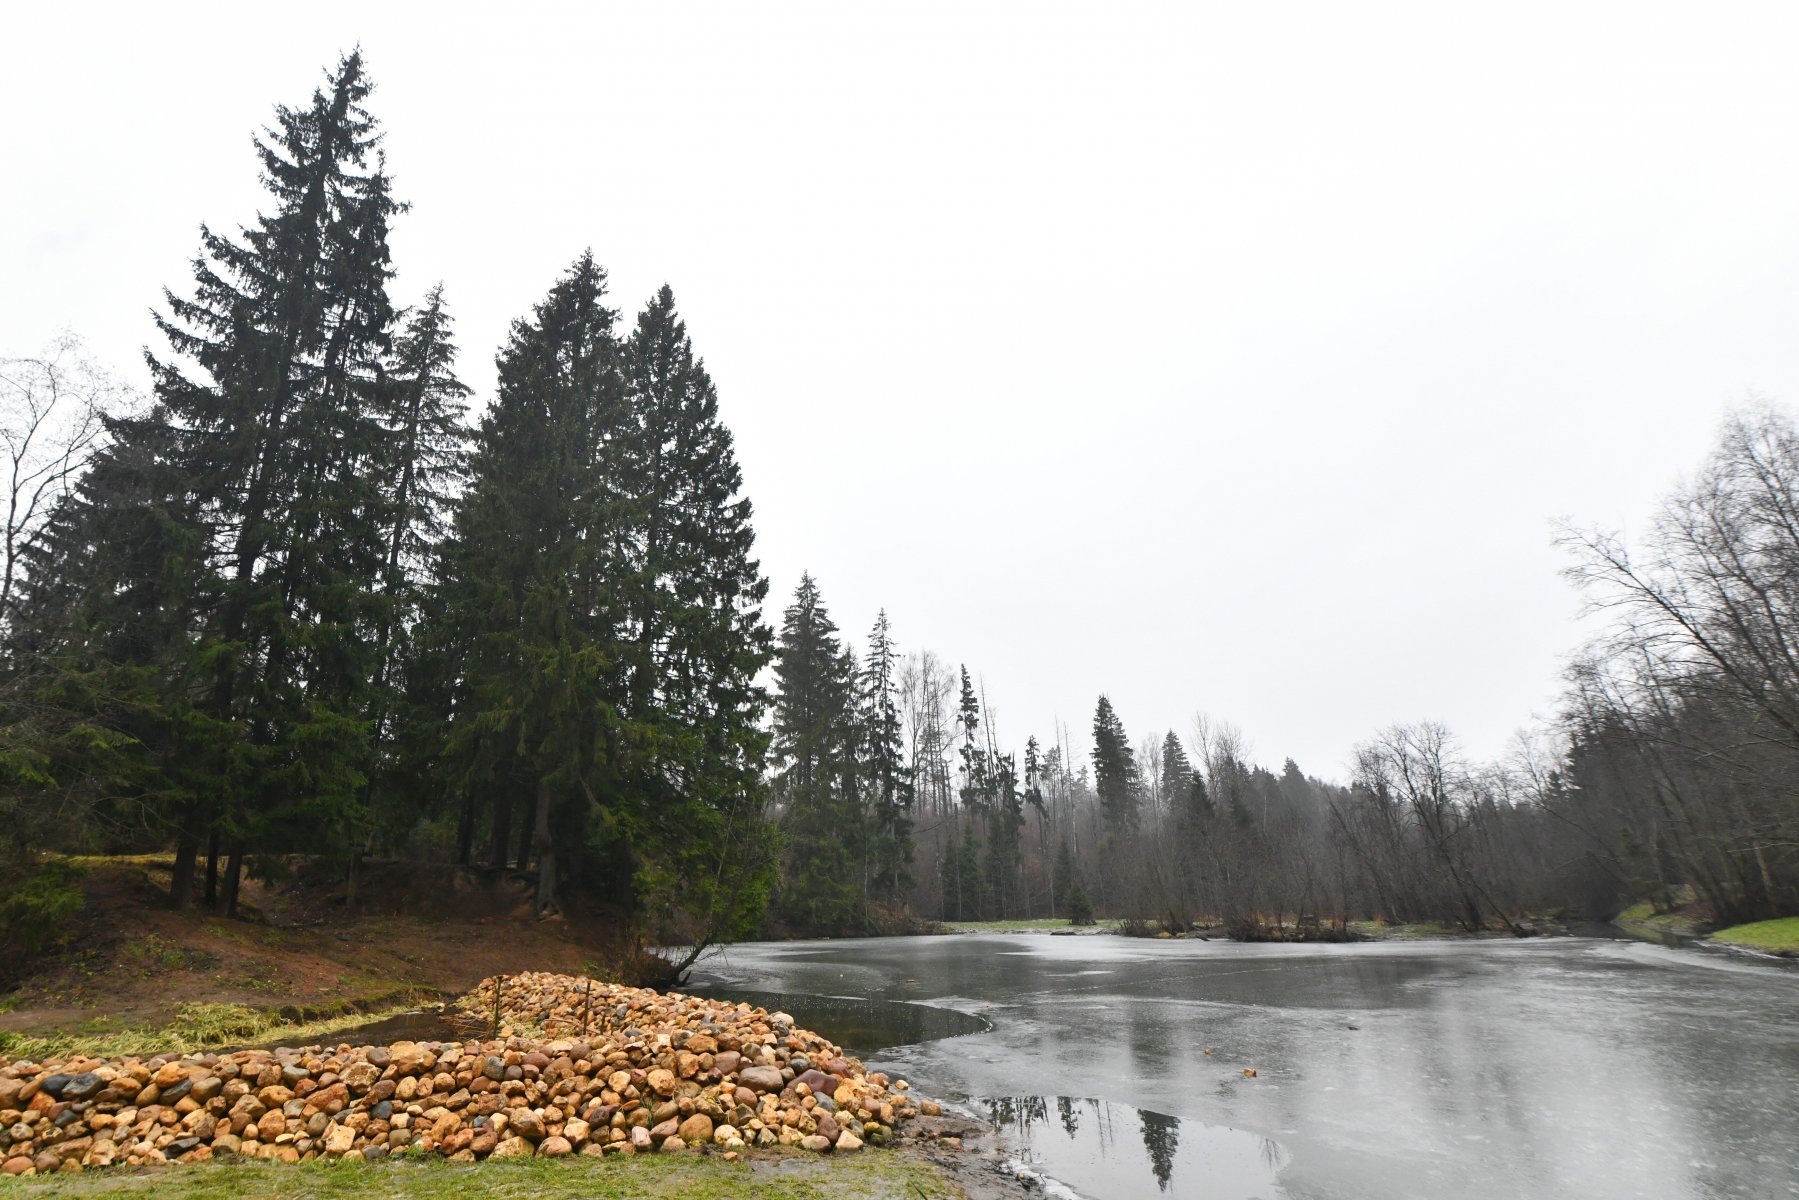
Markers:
point(1161, 1137)
point(1096, 1156)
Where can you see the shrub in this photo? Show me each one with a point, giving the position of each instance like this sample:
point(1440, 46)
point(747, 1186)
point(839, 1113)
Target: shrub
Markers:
point(35, 909)
point(1080, 908)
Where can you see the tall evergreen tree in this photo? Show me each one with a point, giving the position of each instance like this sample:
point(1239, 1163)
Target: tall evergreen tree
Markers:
point(273, 391)
point(974, 760)
point(815, 744)
point(1193, 813)
point(1005, 824)
point(1177, 770)
point(428, 450)
point(887, 777)
point(529, 583)
point(693, 640)
point(1114, 771)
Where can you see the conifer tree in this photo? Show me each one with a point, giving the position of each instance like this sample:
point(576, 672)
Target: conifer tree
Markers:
point(693, 640)
point(971, 882)
point(1062, 886)
point(1114, 771)
point(1193, 815)
point(973, 792)
point(815, 738)
point(1005, 823)
point(1036, 771)
point(427, 441)
point(101, 674)
point(949, 880)
point(528, 583)
point(426, 421)
point(273, 392)
point(887, 777)
point(1177, 769)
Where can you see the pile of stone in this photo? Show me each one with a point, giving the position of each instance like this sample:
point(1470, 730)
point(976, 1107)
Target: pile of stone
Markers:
point(651, 1072)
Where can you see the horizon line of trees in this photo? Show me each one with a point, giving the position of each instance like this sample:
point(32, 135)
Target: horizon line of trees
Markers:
point(1672, 772)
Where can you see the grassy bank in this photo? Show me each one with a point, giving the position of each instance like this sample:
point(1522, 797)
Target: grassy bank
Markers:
point(884, 1176)
point(1779, 936)
point(196, 1027)
point(1033, 925)
point(1643, 919)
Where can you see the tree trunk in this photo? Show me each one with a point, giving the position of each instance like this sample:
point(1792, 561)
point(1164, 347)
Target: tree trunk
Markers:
point(353, 878)
point(465, 830)
point(546, 852)
point(187, 852)
point(501, 844)
point(527, 831)
point(234, 868)
point(212, 871)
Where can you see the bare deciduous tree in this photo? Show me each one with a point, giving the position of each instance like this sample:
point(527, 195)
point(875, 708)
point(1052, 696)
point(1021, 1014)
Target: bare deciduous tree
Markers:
point(52, 417)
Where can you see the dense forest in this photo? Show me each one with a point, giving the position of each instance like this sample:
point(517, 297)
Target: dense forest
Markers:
point(297, 604)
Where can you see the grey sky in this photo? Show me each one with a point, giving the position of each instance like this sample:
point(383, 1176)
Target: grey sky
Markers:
point(1221, 357)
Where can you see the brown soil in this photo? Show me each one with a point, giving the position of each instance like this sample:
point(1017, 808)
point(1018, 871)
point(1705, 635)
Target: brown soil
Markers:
point(127, 960)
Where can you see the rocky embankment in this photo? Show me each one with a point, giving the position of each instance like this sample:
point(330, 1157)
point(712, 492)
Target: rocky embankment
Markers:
point(587, 1069)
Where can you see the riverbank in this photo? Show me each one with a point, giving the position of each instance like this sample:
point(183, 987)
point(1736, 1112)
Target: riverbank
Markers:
point(1779, 937)
point(1686, 924)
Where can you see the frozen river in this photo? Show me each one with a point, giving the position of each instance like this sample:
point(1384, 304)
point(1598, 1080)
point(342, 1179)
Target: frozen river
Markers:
point(1564, 1067)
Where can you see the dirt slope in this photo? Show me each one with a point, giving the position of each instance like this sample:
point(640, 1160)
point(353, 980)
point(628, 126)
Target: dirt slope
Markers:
point(128, 961)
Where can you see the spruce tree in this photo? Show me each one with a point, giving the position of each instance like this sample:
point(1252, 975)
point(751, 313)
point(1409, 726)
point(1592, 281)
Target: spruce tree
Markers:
point(971, 882)
point(1177, 770)
point(1036, 770)
point(1114, 771)
point(101, 670)
point(693, 640)
point(1193, 815)
point(428, 439)
point(273, 393)
point(1005, 823)
point(949, 880)
point(1062, 886)
point(974, 788)
point(528, 584)
point(887, 777)
point(815, 744)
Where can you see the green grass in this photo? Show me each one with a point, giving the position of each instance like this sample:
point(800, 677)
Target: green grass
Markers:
point(884, 1175)
point(1019, 926)
point(1780, 936)
point(1381, 931)
point(195, 1027)
point(1644, 917)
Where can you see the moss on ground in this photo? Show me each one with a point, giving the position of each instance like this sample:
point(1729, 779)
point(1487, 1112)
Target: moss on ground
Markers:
point(1643, 918)
point(196, 1027)
point(1780, 936)
point(866, 1176)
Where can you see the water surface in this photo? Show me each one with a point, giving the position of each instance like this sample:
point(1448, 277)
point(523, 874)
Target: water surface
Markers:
point(1564, 1067)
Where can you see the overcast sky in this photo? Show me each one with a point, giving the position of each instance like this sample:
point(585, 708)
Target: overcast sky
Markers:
point(1233, 358)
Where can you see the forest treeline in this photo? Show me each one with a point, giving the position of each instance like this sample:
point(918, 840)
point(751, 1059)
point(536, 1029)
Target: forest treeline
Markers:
point(296, 604)
point(1671, 773)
